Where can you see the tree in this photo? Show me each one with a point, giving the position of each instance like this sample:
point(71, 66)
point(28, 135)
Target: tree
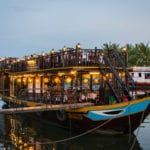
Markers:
point(131, 54)
point(110, 46)
point(142, 53)
point(137, 55)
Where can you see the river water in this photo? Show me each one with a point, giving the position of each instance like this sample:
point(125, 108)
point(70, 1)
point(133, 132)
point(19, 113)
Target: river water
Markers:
point(26, 132)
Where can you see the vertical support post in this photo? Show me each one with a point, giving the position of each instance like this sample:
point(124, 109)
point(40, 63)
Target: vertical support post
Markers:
point(78, 47)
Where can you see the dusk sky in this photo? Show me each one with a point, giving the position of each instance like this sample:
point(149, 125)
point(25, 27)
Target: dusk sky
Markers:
point(33, 26)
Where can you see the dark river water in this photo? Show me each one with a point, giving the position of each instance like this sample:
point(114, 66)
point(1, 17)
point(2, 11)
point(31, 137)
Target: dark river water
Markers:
point(26, 132)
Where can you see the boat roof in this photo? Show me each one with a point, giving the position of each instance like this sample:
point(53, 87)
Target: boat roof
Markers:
point(140, 69)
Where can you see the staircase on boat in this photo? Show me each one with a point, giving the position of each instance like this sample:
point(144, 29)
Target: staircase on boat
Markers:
point(112, 63)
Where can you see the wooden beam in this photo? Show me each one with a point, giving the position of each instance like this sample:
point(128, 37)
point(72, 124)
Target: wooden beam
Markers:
point(44, 107)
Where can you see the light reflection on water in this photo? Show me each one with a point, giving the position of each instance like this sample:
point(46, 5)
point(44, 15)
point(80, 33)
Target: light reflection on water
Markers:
point(33, 129)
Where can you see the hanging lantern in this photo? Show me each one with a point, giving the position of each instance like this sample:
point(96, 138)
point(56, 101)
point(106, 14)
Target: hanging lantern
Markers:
point(31, 148)
point(73, 72)
point(37, 79)
point(57, 80)
point(104, 78)
point(123, 74)
point(25, 144)
point(85, 81)
point(31, 63)
point(24, 80)
point(30, 80)
point(86, 76)
point(20, 140)
point(61, 73)
point(68, 80)
point(46, 80)
point(18, 80)
point(96, 80)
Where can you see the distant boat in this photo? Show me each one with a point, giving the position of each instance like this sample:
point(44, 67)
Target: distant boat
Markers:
point(141, 77)
point(72, 76)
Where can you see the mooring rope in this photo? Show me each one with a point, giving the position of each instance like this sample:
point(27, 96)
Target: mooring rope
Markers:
point(79, 135)
point(87, 132)
point(70, 138)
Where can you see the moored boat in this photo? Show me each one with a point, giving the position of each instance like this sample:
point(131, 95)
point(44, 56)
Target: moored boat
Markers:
point(72, 76)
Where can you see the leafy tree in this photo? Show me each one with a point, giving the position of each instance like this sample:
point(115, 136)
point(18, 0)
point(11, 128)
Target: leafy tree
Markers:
point(110, 46)
point(142, 53)
point(131, 54)
point(138, 54)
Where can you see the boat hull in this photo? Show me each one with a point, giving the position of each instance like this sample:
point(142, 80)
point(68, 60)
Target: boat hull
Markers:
point(124, 122)
point(122, 117)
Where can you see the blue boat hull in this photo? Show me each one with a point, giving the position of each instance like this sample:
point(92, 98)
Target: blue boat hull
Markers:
point(123, 119)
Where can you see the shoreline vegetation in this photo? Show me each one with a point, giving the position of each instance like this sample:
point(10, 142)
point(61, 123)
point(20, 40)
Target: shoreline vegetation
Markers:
point(138, 54)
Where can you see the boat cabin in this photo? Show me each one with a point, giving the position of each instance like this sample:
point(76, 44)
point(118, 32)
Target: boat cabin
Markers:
point(141, 75)
point(67, 76)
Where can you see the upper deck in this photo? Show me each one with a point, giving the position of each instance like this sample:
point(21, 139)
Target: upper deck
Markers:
point(66, 58)
point(72, 71)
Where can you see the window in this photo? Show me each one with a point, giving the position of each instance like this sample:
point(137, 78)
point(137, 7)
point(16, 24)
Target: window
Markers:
point(147, 75)
point(132, 74)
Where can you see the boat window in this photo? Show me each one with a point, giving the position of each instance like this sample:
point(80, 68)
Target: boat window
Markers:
point(113, 112)
point(147, 75)
point(132, 74)
point(140, 74)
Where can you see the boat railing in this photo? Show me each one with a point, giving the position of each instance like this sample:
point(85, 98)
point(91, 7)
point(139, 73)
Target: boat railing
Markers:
point(71, 57)
point(67, 97)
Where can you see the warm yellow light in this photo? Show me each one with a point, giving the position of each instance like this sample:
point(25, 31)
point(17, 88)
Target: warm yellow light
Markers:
point(19, 80)
point(121, 74)
point(68, 79)
point(85, 81)
point(92, 73)
point(78, 46)
point(35, 56)
point(31, 62)
point(64, 49)
point(57, 80)
point(37, 80)
point(43, 54)
point(109, 75)
point(46, 80)
point(52, 51)
point(124, 50)
point(104, 78)
point(24, 80)
point(96, 80)
point(86, 76)
point(61, 73)
point(20, 140)
point(30, 80)
point(25, 144)
point(31, 148)
point(73, 72)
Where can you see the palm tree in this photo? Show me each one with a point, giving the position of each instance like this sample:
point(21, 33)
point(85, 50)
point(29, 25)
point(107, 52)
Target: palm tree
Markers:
point(138, 54)
point(110, 46)
point(142, 53)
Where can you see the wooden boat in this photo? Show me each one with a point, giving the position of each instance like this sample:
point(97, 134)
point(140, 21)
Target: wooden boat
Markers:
point(76, 75)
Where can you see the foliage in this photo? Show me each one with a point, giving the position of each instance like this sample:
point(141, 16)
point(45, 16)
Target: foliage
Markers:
point(137, 55)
